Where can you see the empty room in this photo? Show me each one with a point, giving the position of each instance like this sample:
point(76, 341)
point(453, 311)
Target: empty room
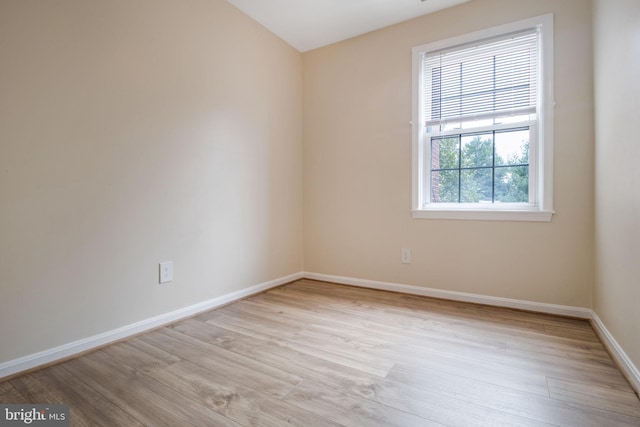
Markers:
point(330, 213)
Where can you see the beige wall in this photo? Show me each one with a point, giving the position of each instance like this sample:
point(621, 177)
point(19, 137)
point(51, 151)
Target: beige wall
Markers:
point(133, 132)
point(617, 112)
point(357, 166)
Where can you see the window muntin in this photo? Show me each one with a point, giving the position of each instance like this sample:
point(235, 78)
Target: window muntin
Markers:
point(484, 95)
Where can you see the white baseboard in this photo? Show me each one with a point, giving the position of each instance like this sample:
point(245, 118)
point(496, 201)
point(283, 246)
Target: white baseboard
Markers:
point(562, 310)
point(630, 370)
point(64, 351)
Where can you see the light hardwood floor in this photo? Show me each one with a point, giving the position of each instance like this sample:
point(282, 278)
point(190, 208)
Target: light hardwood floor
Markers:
point(319, 354)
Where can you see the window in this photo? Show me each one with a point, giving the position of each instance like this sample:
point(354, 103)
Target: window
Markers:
point(483, 113)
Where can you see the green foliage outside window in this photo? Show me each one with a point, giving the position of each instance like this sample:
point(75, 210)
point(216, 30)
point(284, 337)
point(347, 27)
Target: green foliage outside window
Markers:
point(468, 169)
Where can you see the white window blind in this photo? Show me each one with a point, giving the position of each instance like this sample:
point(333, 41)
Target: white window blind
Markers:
point(483, 80)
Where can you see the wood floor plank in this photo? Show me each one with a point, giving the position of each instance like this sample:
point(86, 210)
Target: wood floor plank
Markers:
point(351, 410)
point(355, 382)
point(544, 409)
point(319, 354)
point(490, 326)
point(37, 392)
point(624, 402)
point(34, 391)
point(534, 346)
point(149, 401)
point(481, 370)
point(258, 331)
point(444, 400)
point(142, 356)
point(384, 330)
point(236, 402)
point(221, 394)
point(331, 339)
point(255, 374)
point(95, 409)
point(450, 311)
point(301, 364)
point(519, 371)
point(572, 332)
point(9, 394)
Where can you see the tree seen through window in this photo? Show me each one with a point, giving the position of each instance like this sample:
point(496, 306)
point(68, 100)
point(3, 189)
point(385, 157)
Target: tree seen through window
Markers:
point(490, 167)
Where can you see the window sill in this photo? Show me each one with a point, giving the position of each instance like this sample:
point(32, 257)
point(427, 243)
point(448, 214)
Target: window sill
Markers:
point(484, 214)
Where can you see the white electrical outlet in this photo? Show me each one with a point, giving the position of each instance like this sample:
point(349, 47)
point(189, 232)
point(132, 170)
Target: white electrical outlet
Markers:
point(405, 255)
point(166, 271)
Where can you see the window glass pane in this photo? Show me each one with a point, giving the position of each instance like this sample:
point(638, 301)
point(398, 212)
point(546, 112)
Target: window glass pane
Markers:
point(464, 169)
point(477, 150)
point(512, 148)
point(445, 153)
point(476, 185)
point(512, 184)
point(444, 186)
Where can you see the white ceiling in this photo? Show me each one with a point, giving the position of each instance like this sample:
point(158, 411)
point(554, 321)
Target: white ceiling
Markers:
point(308, 24)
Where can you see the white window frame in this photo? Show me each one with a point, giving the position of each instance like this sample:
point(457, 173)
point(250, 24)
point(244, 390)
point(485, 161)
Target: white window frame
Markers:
point(540, 207)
